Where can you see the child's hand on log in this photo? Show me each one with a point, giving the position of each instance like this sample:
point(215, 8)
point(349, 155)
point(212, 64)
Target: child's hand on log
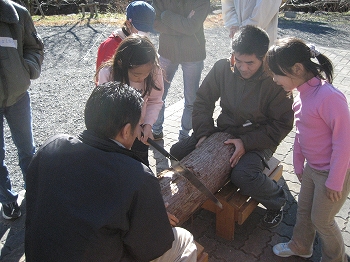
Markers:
point(239, 150)
point(172, 219)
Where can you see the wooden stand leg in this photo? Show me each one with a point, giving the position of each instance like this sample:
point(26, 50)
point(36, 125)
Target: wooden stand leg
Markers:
point(225, 221)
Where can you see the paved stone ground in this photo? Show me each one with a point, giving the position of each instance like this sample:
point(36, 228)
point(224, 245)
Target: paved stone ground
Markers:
point(252, 242)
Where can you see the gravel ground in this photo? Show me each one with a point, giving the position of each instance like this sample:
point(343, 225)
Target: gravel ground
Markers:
point(59, 95)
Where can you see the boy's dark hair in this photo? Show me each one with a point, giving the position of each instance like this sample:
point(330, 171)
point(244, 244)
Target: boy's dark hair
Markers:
point(110, 107)
point(288, 51)
point(251, 40)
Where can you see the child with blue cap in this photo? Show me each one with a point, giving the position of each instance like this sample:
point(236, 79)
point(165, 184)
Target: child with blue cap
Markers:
point(139, 20)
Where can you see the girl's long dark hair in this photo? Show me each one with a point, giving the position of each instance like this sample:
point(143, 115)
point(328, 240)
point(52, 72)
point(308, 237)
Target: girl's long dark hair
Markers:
point(134, 51)
point(281, 57)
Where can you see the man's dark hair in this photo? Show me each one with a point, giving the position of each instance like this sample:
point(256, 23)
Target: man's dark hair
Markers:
point(251, 40)
point(110, 107)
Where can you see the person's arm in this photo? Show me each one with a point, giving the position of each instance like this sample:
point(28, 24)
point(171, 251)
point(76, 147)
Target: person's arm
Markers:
point(204, 105)
point(189, 24)
point(150, 234)
point(154, 104)
point(154, 100)
point(338, 119)
point(278, 125)
point(229, 14)
point(104, 75)
point(298, 158)
point(263, 13)
point(33, 47)
point(158, 24)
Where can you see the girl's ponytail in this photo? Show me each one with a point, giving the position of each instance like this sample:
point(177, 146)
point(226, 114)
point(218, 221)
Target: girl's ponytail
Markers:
point(325, 65)
point(288, 51)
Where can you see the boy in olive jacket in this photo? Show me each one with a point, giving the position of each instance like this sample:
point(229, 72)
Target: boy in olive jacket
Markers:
point(21, 56)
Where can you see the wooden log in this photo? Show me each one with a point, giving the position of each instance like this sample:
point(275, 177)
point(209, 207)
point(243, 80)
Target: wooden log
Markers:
point(210, 163)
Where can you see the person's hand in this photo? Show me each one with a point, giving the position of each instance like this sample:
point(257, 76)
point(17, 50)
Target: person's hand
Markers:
point(191, 14)
point(147, 132)
point(333, 195)
point(172, 219)
point(300, 177)
point(200, 141)
point(239, 150)
point(233, 30)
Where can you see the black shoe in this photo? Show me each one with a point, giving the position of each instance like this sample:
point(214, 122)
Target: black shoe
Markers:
point(273, 218)
point(11, 210)
point(157, 137)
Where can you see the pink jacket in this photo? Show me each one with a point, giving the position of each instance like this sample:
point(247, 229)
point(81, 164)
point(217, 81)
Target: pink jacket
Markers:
point(322, 120)
point(152, 103)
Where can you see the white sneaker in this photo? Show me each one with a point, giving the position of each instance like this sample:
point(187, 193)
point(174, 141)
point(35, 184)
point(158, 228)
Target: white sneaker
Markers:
point(282, 250)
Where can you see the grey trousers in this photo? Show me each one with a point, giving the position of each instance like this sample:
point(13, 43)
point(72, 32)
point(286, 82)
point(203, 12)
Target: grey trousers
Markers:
point(247, 174)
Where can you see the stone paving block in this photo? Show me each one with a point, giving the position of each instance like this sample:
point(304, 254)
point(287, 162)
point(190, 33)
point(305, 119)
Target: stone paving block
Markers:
point(230, 254)
point(257, 242)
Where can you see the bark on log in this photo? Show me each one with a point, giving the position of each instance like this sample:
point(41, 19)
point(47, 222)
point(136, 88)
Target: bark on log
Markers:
point(210, 163)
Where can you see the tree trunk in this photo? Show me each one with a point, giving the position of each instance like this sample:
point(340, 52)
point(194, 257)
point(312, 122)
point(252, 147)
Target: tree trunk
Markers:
point(210, 163)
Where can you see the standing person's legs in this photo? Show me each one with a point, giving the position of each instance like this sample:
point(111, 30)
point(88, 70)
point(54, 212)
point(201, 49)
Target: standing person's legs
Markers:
point(19, 119)
point(304, 231)
point(191, 75)
point(6, 194)
point(183, 249)
point(322, 216)
point(169, 70)
point(316, 212)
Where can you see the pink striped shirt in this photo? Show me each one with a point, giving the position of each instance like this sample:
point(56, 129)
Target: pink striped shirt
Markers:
point(322, 120)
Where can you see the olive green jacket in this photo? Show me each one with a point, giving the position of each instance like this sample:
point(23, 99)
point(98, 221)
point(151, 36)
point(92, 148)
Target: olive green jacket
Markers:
point(21, 52)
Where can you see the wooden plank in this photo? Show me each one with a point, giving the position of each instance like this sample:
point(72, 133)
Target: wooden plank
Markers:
point(225, 221)
point(246, 210)
point(201, 255)
point(277, 173)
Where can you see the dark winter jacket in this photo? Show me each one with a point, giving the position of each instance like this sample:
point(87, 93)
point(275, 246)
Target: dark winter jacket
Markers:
point(256, 110)
point(89, 199)
point(181, 36)
point(21, 52)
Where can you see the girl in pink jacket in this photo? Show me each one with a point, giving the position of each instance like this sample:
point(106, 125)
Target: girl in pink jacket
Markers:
point(135, 63)
point(322, 122)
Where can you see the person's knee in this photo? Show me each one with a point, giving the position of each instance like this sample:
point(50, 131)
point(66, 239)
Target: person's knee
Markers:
point(240, 177)
point(186, 246)
point(322, 224)
point(183, 147)
point(243, 180)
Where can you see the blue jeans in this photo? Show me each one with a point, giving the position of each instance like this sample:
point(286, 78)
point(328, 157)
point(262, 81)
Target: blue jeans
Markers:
point(191, 76)
point(19, 119)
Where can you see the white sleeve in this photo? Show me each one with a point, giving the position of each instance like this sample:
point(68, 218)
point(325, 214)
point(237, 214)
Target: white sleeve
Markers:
point(229, 13)
point(263, 12)
point(104, 75)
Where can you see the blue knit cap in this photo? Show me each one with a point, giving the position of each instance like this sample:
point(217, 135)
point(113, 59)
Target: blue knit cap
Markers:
point(142, 15)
